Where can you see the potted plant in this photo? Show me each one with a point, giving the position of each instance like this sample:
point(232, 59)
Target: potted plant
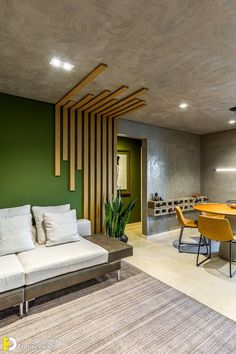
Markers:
point(117, 217)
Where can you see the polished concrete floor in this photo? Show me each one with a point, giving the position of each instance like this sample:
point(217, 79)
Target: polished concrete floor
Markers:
point(208, 283)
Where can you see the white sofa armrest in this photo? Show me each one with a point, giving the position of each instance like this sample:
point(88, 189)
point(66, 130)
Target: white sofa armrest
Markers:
point(84, 227)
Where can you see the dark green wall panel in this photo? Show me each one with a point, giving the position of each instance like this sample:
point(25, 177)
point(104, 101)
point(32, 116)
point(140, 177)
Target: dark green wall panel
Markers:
point(27, 157)
point(134, 147)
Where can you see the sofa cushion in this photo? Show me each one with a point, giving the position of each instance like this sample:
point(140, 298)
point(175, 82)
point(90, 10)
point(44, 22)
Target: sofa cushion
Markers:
point(38, 212)
point(48, 262)
point(15, 234)
point(84, 227)
point(11, 273)
point(60, 228)
point(21, 210)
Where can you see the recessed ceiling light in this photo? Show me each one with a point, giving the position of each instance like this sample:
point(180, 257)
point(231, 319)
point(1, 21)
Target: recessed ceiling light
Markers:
point(68, 66)
point(55, 62)
point(232, 121)
point(183, 105)
point(61, 64)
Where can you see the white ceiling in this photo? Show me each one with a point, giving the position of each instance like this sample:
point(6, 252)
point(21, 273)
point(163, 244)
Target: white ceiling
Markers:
point(182, 50)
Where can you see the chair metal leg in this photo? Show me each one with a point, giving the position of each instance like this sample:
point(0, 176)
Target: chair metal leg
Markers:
point(180, 238)
point(198, 253)
point(186, 243)
point(118, 275)
point(231, 274)
point(230, 259)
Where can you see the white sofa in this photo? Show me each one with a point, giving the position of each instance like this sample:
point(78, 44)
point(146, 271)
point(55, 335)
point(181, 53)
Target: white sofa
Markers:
point(18, 270)
point(30, 274)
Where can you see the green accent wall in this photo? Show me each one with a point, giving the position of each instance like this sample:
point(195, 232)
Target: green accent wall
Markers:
point(27, 157)
point(134, 147)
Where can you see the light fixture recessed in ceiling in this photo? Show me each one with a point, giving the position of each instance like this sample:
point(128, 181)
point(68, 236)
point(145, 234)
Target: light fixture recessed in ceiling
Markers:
point(183, 105)
point(232, 121)
point(61, 64)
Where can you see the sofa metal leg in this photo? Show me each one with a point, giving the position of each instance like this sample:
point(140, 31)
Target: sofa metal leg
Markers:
point(118, 275)
point(21, 310)
point(26, 307)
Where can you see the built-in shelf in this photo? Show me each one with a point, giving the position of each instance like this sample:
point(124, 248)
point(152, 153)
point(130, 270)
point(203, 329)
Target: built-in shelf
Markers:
point(167, 207)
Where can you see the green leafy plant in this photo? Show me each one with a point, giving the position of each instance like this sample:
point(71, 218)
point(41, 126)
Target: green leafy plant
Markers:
point(117, 216)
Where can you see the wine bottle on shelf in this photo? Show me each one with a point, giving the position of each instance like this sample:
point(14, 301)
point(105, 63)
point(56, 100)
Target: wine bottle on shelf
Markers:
point(157, 197)
point(176, 202)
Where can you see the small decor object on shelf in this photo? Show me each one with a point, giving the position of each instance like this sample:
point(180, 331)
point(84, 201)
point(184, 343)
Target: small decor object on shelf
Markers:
point(231, 204)
point(155, 197)
point(117, 217)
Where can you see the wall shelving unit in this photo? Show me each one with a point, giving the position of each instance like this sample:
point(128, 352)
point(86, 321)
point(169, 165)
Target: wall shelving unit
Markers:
point(167, 207)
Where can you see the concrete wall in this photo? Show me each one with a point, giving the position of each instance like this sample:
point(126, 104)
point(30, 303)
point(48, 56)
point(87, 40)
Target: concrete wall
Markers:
point(172, 170)
point(218, 150)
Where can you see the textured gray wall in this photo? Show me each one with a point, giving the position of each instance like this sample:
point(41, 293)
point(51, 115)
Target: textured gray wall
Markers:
point(172, 170)
point(218, 150)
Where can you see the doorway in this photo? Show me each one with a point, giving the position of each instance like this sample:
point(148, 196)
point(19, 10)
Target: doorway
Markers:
point(130, 151)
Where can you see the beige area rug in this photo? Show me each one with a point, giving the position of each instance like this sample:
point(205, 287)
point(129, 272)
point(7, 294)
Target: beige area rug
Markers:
point(139, 314)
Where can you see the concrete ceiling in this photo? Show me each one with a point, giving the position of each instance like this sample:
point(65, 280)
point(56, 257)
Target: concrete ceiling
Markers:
point(182, 50)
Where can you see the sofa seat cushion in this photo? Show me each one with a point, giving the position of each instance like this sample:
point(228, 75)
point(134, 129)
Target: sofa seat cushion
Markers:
point(11, 273)
point(48, 262)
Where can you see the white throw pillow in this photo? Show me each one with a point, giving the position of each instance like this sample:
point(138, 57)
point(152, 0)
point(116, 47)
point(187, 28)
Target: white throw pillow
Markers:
point(38, 216)
point(61, 228)
point(21, 210)
point(15, 234)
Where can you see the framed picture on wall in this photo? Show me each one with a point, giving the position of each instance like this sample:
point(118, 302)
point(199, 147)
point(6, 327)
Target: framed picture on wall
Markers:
point(123, 172)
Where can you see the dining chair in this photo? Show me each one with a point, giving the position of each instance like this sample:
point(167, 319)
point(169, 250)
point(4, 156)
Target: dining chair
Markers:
point(184, 223)
point(215, 229)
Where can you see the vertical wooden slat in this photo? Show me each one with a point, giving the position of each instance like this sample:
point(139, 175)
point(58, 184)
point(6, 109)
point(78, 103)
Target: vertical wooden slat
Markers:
point(92, 171)
point(79, 140)
point(115, 127)
point(65, 134)
point(57, 140)
point(65, 118)
point(110, 158)
point(86, 165)
point(98, 173)
point(72, 150)
point(104, 168)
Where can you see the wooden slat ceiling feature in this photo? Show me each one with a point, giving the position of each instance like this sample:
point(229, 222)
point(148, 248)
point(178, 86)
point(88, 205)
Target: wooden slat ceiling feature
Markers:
point(127, 99)
point(118, 92)
point(82, 102)
point(65, 129)
point(106, 105)
point(96, 99)
point(84, 82)
point(129, 106)
point(127, 111)
point(114, 109)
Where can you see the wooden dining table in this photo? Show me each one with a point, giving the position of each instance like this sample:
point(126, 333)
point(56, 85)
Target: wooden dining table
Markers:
point(230, 214)
point(215, 208)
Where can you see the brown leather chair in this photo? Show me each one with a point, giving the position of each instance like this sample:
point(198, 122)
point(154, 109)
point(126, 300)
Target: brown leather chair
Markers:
point(184, 223)
point(217, 229)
